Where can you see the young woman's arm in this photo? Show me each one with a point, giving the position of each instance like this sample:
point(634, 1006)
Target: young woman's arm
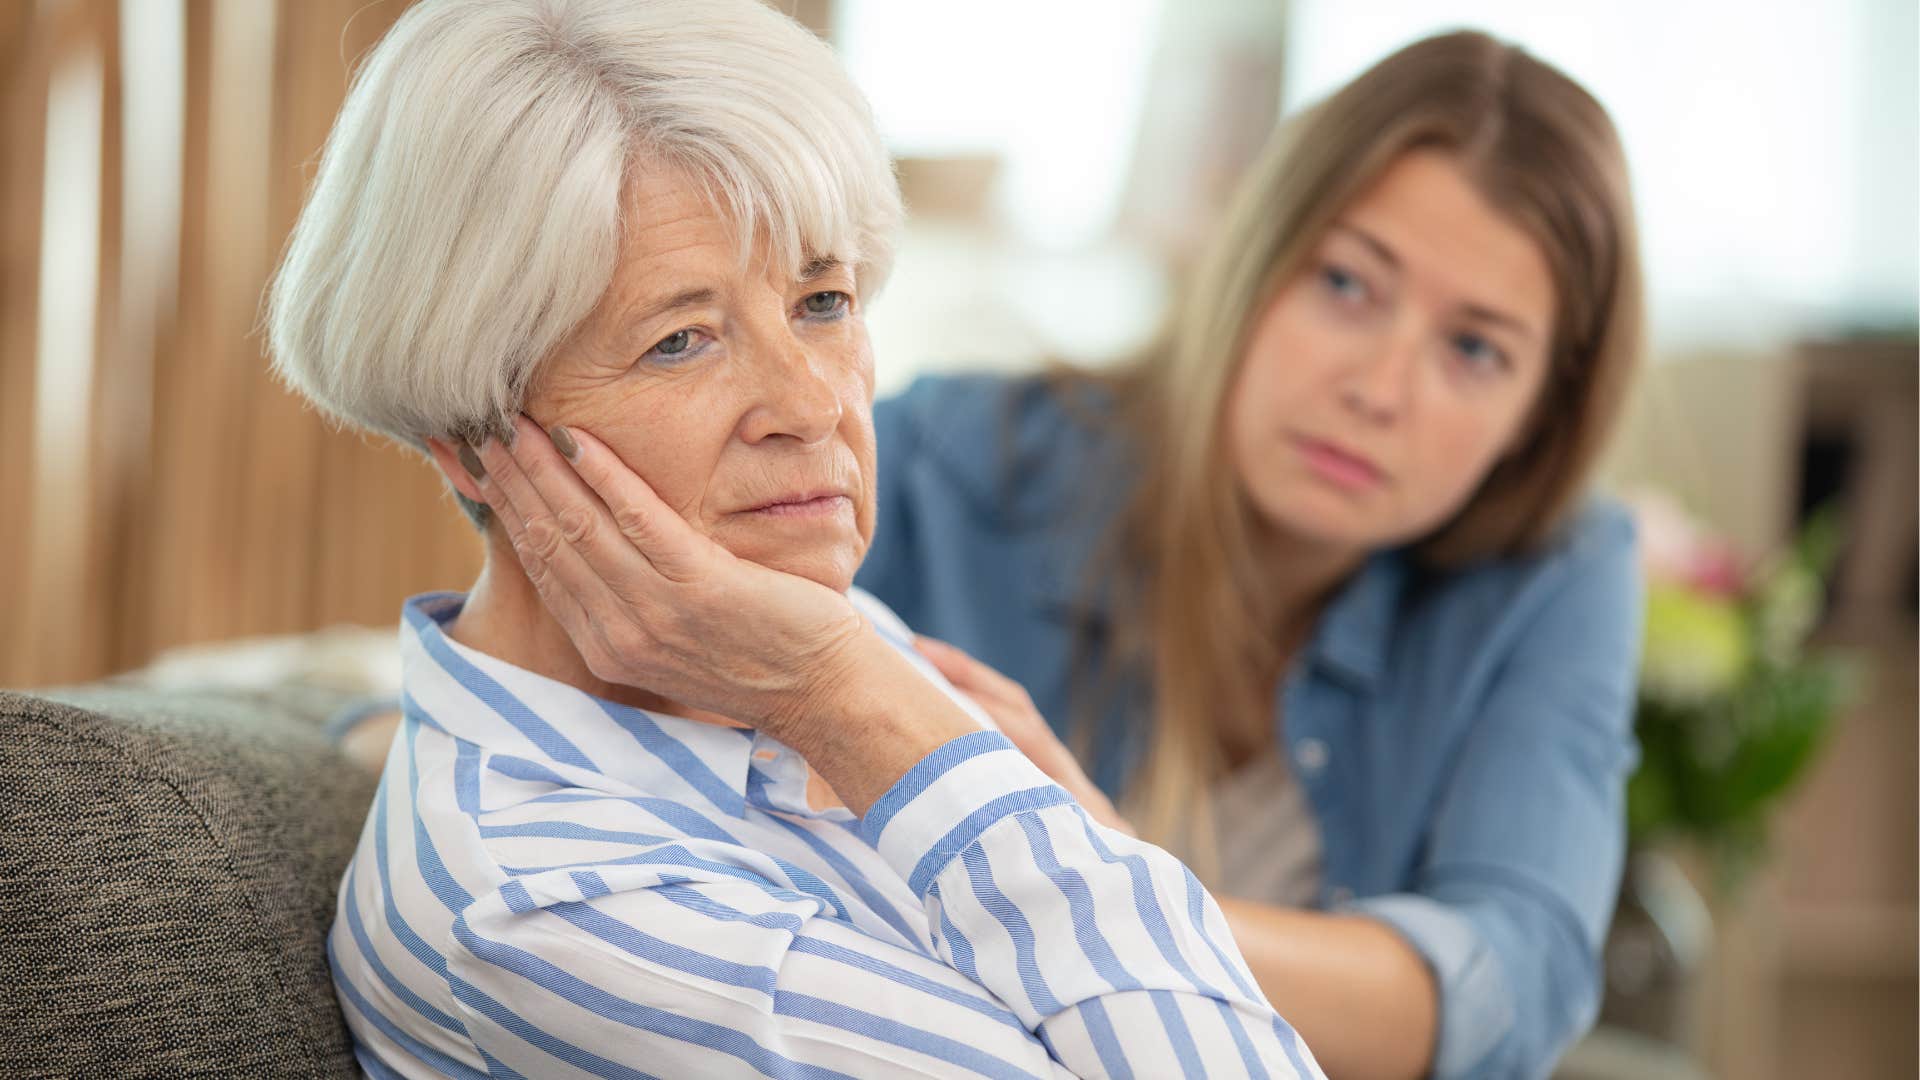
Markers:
point(1322, 970)
point(1487, 965)
point(1319, 971)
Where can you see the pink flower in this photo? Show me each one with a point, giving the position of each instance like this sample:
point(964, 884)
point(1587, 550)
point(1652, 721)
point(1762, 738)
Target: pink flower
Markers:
point(1675, 549)
point(1667, 535)
point(1716, 570)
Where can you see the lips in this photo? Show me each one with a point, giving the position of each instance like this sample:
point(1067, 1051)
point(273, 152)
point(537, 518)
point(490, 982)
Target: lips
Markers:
point(799, 500)
point(1338, 465)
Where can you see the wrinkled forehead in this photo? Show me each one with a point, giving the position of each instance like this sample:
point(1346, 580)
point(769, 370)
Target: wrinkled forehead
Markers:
point(786, 225)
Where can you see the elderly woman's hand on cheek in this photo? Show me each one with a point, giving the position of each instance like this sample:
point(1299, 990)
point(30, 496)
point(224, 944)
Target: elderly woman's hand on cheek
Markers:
point(651, 602)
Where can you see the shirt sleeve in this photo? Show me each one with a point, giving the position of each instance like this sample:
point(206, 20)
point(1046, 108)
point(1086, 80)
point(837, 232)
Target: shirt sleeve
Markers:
point(1512, 902)
point(1059, 949)
point(1107, 948)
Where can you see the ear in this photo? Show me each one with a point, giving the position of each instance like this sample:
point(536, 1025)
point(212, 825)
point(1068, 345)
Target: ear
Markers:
point(446, 455)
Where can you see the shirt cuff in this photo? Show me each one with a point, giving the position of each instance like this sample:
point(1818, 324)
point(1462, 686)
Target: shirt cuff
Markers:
point(946, 801)
point(1476, 1007)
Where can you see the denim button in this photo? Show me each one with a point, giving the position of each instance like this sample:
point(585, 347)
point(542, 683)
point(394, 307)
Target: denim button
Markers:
point(1310, 755)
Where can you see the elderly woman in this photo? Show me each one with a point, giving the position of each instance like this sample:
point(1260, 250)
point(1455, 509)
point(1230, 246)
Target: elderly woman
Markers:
point(668, 797)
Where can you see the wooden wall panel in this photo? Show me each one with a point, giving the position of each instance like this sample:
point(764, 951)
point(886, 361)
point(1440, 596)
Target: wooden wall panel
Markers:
point(24, 56)
point(116, 388)
point(59, 600)
point(145, 213)
point(195, 513)
point(273, 474)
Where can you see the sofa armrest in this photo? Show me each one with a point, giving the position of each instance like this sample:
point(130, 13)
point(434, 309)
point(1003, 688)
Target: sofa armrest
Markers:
point(167, 879)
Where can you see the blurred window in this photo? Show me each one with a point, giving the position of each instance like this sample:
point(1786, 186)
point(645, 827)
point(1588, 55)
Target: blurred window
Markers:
point(1773, 143)
point(1053, 90)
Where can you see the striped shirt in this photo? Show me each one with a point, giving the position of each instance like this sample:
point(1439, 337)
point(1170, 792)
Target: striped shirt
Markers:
point(551, 884)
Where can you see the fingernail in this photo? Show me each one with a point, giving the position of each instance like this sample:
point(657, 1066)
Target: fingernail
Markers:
point(563, 442)
point(472, 462)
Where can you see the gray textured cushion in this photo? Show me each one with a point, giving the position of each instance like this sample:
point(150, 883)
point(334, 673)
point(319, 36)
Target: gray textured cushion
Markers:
point(168, 863)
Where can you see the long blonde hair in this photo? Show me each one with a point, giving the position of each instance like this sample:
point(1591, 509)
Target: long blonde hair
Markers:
point(1540, 149)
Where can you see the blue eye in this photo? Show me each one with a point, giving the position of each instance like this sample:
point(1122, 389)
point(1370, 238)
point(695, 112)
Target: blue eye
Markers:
point(1478, 352)
point(675, 347)
point(1343, 283)
point(827, 305)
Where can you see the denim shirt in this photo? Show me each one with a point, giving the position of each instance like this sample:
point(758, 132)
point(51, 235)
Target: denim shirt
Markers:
point(1464, 739)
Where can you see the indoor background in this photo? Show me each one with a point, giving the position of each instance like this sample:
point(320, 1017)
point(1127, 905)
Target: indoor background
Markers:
point(1061, 160)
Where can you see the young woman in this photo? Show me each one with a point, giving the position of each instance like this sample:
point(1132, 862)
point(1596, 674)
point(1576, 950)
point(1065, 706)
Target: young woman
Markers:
point(1313, 587)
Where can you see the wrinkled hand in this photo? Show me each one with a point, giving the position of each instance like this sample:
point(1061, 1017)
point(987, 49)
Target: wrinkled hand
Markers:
point(649, 602)
point(1008, 703)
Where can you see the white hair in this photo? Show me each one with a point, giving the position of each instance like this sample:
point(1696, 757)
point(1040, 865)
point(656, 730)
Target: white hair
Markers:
point(466, 213)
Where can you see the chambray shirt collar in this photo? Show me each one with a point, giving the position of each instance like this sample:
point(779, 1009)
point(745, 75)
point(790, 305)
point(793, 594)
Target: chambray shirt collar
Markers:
point(1355, 633)
point(553, 723)
point(1350, 643)
point(1060, 548)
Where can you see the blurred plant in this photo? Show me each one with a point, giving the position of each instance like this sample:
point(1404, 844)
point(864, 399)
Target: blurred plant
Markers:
point(1732, 706)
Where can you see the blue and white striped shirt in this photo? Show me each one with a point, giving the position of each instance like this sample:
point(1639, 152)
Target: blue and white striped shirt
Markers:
point(551, 884)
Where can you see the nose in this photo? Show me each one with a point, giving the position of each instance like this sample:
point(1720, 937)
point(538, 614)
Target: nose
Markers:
point(1379, 385)
point(797, 396)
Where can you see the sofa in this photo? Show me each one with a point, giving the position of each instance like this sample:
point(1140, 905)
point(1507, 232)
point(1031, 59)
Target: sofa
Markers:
point(168, 866)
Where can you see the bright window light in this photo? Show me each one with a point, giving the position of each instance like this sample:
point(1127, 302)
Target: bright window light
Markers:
point(1053, 90)
point(1772, 143)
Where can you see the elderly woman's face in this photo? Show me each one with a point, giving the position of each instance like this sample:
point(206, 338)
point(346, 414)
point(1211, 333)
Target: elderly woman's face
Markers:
point(741, 394)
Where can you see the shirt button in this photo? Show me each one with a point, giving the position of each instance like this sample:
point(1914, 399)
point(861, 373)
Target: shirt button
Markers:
point(1310, 755)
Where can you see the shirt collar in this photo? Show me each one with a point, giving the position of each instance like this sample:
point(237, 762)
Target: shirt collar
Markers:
point(1351, 641)
point(1062, 547)
point(507, 709)
point(1355, 632)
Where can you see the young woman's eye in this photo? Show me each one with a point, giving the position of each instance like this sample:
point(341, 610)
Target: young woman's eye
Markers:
point(1343, 283)
point(676, 346)
point(828, 304)
point(1478, 353)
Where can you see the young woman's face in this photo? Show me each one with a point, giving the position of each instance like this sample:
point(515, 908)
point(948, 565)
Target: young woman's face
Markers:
point(1384, 380)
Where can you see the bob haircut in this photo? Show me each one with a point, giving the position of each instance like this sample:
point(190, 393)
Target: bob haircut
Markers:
point(466, 213)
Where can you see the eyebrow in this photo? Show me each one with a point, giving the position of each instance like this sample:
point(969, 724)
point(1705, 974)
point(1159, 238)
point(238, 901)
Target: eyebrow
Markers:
point(819, 267)
point(1476, 312)
point(1373, 243)
point(1499, 318)
point(649, 310)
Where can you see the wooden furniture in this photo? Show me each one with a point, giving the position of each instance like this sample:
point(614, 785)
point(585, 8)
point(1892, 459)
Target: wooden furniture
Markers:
point(1843, 890)
point(1813, 971)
